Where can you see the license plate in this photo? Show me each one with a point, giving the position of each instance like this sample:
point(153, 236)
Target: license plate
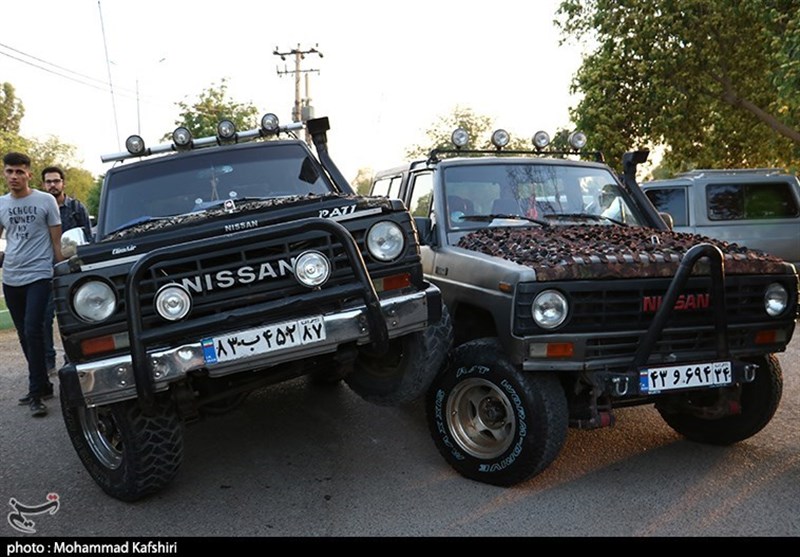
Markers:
point(670, 378)
point(263, 340)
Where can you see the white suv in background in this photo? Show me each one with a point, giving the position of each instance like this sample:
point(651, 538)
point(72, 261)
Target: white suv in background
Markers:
point(757, 208)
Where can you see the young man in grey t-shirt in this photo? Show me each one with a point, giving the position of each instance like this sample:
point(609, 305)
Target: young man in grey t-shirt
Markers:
point(33, 233)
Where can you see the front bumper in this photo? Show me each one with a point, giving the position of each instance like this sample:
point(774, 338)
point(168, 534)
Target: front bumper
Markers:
point(112, 380)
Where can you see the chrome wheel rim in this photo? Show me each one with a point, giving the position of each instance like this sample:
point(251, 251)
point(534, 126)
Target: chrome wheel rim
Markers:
point(103, 436)
point(481, 418)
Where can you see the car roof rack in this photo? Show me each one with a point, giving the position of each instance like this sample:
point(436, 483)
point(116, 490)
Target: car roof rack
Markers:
point(730, 171)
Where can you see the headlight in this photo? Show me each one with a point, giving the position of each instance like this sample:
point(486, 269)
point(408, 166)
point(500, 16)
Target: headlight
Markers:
point(269, 123)
point(182, 138)
point(776, 298)
point(549, 309)
point(459, 137)
point(135, 145)
point(226, 130)
point(385, 240)
point(94, 301)
point(577, 140)
point(541, 139)
point(312, 268)
point(500, 138)
point(173, 302)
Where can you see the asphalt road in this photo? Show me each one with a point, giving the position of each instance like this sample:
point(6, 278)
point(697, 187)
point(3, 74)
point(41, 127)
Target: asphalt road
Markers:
point(301, 461)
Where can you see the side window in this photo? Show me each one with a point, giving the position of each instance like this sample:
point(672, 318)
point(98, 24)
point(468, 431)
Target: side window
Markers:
point(421, 195)
point(386, 187)
point(766, 200)
point(772, 200)
point(672, 201)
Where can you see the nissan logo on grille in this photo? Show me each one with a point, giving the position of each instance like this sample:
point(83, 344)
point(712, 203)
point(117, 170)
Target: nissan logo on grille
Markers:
point(684, 302)
point(246, 274)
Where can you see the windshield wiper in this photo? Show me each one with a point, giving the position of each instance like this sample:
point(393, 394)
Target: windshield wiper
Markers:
point(590, 216)
point(492, 216)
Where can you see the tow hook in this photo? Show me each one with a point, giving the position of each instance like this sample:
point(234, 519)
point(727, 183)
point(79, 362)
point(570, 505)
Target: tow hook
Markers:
point(750, 372)
point(620, 385)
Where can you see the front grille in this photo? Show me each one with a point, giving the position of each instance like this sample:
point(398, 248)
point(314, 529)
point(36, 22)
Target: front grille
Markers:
point(611, 317)
point(619, 305)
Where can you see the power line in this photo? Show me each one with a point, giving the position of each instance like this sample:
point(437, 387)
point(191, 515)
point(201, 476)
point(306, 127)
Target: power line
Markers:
point(108, 67)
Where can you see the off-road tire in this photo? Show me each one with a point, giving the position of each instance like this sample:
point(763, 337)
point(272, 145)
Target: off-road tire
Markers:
point(129, 454)
point(405, 372)
point(492, 422)
point(759, 401)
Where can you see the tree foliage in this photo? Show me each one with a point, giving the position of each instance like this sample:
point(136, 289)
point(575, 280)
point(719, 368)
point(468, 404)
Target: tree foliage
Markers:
point(716, 82)
point(477, 126)
point(363, 180)
point(212, 106)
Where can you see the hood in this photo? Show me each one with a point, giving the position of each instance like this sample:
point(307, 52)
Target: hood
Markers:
point(594, 252)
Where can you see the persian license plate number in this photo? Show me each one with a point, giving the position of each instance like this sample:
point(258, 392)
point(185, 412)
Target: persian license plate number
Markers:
point(264, 340)
point(669, 378)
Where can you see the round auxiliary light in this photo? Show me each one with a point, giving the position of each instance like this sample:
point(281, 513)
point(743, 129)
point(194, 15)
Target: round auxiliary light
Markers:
point(173, 302)
point(385, 240)
point(94, 301)
point(135, 145)
point(577, 140)
point(549, 309)
point(182, 138)
point(269, 123)
point(541, 139)
point(226, 130)
point(459, 137)
point(776, 299)
point(500, 138)
point(312, 268)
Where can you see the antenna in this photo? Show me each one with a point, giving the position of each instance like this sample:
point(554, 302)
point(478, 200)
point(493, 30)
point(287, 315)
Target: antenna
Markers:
point(108, 68)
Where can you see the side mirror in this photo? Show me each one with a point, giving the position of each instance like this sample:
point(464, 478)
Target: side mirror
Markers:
point(71, 239)
point(424, 230)
point(667, 218)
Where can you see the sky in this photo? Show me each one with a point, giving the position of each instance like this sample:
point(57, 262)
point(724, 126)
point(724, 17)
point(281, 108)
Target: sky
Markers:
point(92, 72)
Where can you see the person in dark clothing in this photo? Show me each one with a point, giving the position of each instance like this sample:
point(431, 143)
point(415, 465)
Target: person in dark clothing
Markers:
point(73, 215)
point(33, 232)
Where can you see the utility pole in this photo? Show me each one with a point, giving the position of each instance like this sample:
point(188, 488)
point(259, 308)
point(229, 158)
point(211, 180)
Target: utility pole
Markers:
point(302, 110)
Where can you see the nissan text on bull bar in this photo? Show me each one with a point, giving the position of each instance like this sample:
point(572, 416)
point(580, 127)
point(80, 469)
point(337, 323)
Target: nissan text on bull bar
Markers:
point(224, 265)
point(571, 296)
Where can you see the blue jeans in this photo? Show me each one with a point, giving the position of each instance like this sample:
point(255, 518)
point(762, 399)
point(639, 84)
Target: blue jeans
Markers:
point(27, 305)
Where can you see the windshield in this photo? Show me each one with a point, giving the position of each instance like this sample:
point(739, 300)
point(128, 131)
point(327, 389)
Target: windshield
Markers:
point(556, 194)
point(181, 184)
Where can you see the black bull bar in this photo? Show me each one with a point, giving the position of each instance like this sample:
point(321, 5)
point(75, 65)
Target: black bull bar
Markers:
point(139, 338)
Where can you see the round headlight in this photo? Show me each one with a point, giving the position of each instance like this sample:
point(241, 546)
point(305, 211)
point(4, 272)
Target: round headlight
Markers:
point(776, 298)
point(269, 123)
point(94, 301)
point(500, 138)
point(549, 309)
point(182, 137)
point(135, 145)
point(172, 302)
point(312, 268)
point(541, 139)
point(385, 240)
point(226, 130)
point(577, 140)
point(459, 137)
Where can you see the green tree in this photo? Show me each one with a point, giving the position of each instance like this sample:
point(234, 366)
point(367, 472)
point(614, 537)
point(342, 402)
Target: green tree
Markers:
point(713, 81)
point(93, 196)
point(363, 180)
point(49, 151)
point(477, 126)
point(212, 106)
